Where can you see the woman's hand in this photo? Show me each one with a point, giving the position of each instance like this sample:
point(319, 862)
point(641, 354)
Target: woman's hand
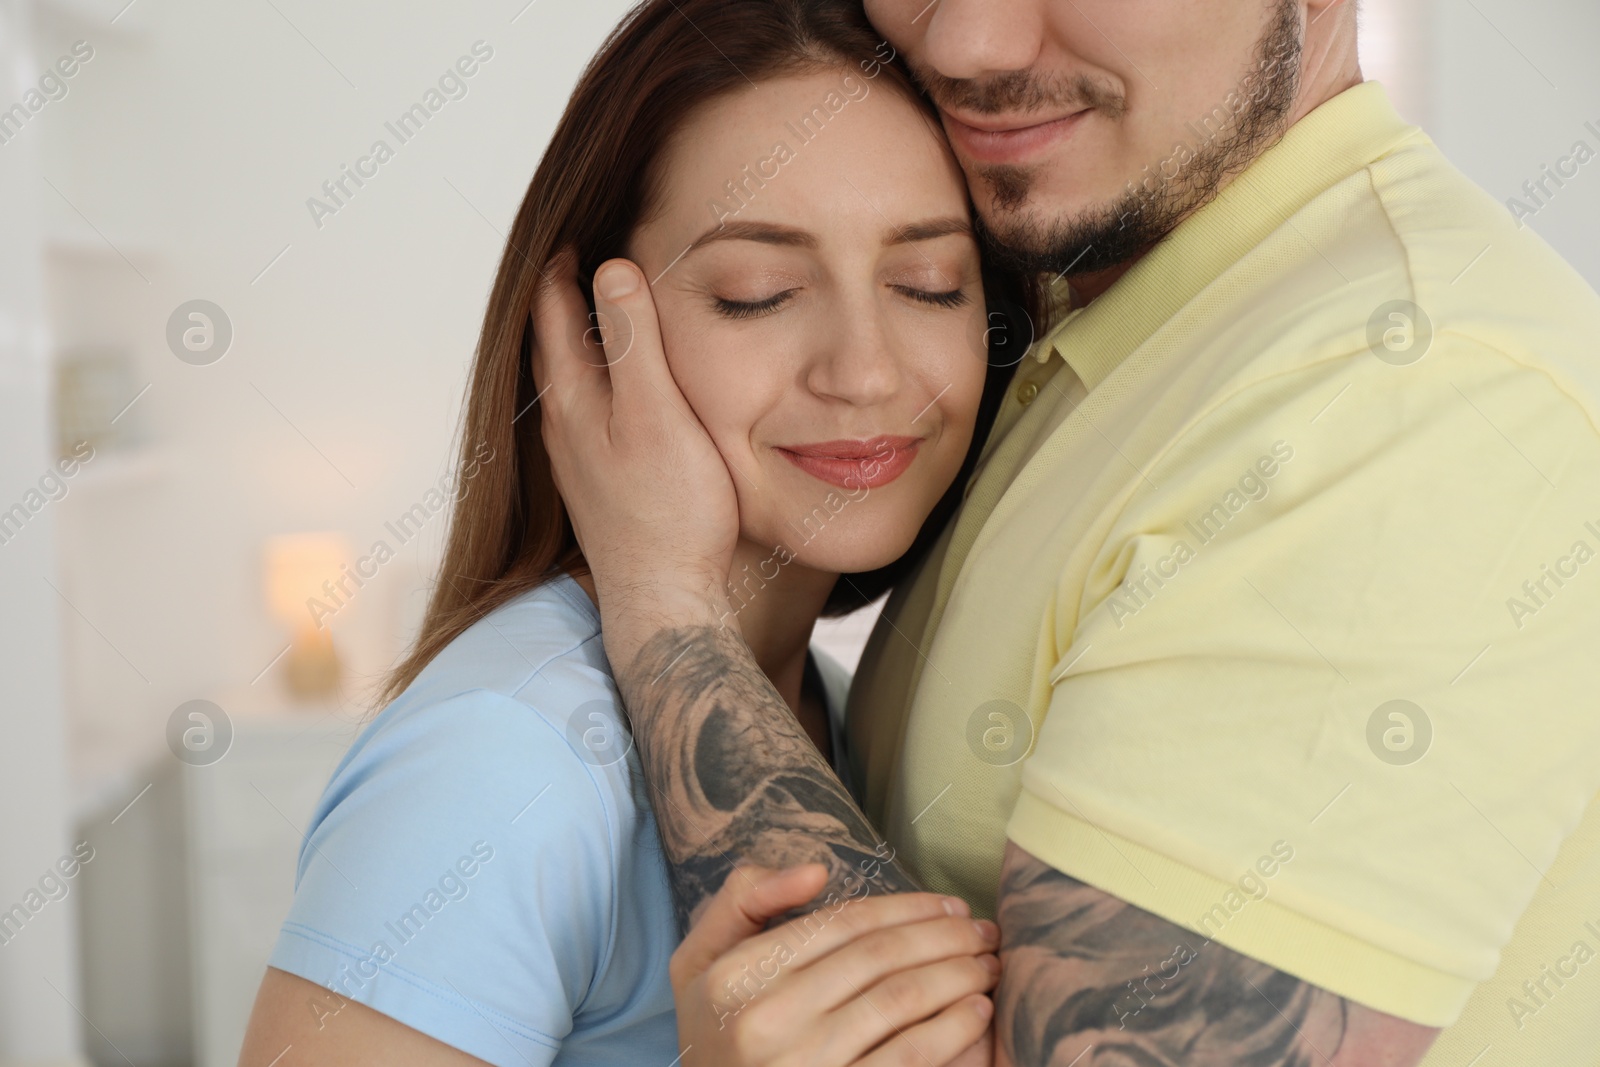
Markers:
point(649, 495)
point(881, 981)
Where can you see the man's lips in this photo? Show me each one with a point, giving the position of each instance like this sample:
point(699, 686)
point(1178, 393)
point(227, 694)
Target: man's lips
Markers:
point(1013, 140)
point(855, 463)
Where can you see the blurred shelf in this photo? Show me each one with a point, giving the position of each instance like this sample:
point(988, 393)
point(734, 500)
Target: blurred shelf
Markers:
point(68, 248)
point(132, 468)
point(104, 18)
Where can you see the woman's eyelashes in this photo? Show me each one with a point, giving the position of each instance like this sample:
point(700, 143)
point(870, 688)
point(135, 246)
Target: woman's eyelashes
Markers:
point(746, 309)
point(954, 298)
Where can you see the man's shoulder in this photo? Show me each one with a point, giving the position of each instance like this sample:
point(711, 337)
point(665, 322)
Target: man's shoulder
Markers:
point(1403, 261)
point(1470, 256)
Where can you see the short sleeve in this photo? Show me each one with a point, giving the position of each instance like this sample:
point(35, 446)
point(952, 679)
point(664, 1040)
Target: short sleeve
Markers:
point(1329, 698)
point(457, 878)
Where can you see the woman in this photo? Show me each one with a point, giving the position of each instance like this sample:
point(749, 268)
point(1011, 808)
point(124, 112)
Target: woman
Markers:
point(482, 881)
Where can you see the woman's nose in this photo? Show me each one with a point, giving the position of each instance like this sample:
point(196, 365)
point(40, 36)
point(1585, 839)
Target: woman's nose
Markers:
point(859, 368)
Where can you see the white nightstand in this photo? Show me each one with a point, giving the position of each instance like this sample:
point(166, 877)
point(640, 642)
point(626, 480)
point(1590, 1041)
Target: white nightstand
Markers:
point(244, 817)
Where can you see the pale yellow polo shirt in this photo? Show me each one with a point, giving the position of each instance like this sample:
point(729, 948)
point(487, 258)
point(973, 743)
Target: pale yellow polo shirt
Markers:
point(1274, 607)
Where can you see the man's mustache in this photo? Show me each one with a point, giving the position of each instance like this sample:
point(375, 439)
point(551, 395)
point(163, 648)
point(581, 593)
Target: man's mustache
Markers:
point(1020, 91)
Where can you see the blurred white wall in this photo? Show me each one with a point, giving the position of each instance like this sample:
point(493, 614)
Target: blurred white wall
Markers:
point(177, 167)
point(38, 953)
point(181, 164)
point(1516, 86)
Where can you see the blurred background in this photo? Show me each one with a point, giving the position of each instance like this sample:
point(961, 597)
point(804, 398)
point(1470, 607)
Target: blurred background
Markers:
point(229, 371)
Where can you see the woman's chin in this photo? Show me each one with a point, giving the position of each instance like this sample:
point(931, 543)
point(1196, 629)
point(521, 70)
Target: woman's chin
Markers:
point(855, 553)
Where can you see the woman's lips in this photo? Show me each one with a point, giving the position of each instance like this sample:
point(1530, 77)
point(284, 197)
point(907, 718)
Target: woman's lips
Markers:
point(1013, 144)
point(854, 464)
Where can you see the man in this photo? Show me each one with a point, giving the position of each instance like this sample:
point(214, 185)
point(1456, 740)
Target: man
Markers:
point(1251, 688)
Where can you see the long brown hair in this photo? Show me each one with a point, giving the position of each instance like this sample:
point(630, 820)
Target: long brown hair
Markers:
point(508, 529)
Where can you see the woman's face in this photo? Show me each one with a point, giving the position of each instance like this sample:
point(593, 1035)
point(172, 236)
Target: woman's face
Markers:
point(818, 288)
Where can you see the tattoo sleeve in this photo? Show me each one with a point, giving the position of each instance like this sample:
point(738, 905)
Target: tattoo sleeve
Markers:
point(733, 778)
point(1090, 980)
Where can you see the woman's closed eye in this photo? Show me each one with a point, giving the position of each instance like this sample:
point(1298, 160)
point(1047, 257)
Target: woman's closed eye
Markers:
point(954, 298)
point(745, 309)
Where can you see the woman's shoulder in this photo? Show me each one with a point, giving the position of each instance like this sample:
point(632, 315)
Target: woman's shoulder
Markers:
point(471, 835)
point(505, 710)
point(550, 630)
point(516, 675)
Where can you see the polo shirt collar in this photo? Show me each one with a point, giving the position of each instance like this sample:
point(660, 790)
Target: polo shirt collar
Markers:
point(1335, 140)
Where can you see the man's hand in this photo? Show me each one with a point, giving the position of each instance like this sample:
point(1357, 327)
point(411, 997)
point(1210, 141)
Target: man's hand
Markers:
point(734, 779)
point(649, 496)
point(877, 982)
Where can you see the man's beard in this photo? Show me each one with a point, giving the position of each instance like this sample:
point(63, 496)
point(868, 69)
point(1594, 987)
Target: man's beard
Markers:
point(1111, 234)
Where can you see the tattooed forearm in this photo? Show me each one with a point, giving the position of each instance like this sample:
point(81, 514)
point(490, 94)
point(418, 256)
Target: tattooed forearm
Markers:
point(733, 777)
point(1090, 980)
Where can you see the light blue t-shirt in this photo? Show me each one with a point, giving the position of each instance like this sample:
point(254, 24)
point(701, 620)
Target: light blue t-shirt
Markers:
point(484, 866)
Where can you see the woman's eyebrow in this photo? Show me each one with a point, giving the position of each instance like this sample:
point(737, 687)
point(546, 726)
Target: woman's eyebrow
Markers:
point(770, 233)
point(773, 233)
point(927, 230)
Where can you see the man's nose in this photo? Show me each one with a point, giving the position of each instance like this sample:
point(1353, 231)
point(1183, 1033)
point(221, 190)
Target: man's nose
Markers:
point(973, 38)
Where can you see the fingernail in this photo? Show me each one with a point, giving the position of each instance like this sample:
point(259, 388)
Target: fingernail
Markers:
point(615, 281)
point(987, 930)
point(956, 906)
point(984, 1007)
point(990, 963)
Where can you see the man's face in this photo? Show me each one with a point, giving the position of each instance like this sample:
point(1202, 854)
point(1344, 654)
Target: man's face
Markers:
point(1089, 128)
